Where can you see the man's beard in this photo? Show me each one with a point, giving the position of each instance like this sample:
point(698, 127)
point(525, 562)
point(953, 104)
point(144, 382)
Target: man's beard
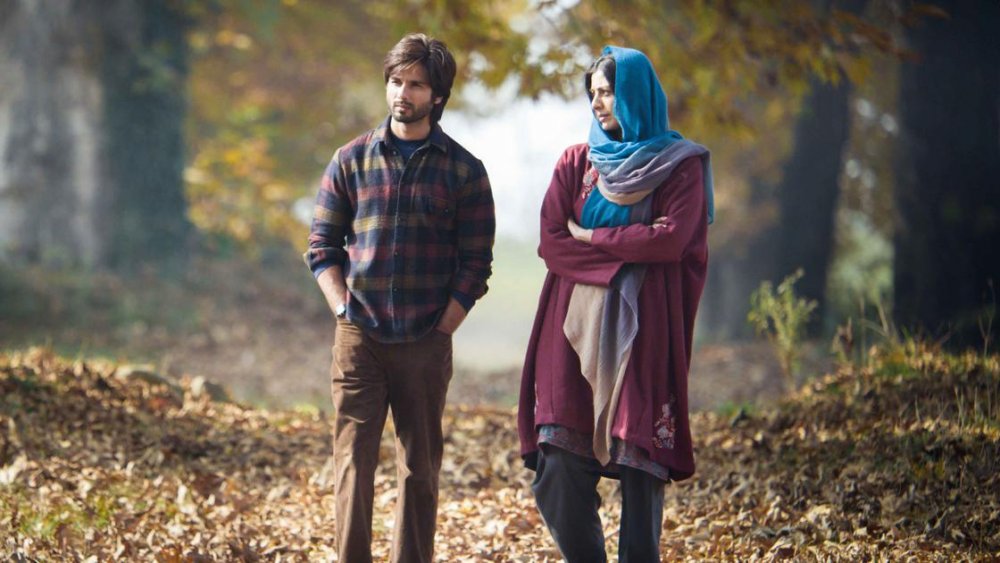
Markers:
point(411, 113)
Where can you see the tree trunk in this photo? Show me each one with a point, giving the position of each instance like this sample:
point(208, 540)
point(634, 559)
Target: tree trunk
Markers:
point(806, 199)
point(91, 124)
point(948, 174)
point(810, 186)
point(807, 195)
point(53, 182)
point(803, 235)
point(145, 71)
point(735, 270)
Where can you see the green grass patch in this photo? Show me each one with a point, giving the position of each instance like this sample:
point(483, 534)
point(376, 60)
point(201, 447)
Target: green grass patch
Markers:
point(731, 409)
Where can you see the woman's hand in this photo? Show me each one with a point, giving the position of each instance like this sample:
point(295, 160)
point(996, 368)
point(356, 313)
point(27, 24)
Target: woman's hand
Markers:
point(661, 222)
point(578, 232)
point(584, 235)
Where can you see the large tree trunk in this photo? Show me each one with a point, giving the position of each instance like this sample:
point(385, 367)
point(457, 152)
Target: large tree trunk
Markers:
point(53, 181)
point(803, 235)
point(806, 200)
point(947, 245)
point(807, 195)
point(91, 123)
point(145, 72)
point(810, 185)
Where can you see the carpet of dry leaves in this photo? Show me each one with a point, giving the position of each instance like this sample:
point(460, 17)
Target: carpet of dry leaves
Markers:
point(895, 461)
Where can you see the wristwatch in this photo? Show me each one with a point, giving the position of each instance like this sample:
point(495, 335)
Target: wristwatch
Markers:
point(341, 311)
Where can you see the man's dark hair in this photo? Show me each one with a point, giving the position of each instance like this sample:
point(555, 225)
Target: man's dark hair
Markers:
point(435, 58)
point(606, 65)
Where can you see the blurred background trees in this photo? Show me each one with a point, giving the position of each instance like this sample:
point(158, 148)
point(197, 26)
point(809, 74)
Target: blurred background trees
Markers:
point(93, 105)
point(947, 191)
point(856, 139)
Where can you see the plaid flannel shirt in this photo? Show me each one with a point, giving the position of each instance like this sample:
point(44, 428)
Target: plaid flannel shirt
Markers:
point(408, 235)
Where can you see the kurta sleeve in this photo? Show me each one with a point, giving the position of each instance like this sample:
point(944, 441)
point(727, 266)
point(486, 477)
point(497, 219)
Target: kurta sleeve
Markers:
point(565, 256)
point(681, 201)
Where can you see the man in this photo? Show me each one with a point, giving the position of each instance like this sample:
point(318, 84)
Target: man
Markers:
point(401, 246)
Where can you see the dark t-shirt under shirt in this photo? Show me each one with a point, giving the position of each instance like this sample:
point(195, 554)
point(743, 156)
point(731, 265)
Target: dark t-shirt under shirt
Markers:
point(407, 148)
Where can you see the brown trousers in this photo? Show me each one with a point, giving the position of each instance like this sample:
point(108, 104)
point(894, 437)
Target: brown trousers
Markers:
point(369, 379)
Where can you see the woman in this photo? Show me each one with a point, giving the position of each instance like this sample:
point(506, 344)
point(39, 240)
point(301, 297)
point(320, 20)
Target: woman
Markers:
point(604, 388)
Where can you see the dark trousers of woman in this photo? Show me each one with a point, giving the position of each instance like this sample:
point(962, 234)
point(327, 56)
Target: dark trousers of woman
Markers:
point(565, 488)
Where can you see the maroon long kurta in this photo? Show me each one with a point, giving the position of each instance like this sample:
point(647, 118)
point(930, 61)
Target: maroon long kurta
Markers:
point(653, 406)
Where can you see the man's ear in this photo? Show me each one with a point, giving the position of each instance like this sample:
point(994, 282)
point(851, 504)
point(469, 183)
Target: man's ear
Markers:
point(438, 99)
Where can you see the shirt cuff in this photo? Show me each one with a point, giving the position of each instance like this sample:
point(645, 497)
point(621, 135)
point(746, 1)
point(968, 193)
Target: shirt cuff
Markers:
point(464, 300)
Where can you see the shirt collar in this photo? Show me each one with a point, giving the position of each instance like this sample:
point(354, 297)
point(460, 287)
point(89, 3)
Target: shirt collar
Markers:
point(436, 139)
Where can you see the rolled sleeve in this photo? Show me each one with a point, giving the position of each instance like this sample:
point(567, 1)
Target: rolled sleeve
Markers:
point(331, 221)
point(476, 225)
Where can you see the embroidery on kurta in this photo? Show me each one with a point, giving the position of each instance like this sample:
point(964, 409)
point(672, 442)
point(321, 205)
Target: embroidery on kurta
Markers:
point(589, 181)
point(666, 427)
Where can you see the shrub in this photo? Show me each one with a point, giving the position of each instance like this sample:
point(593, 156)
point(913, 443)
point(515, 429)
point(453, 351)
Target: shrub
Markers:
point(782, 317)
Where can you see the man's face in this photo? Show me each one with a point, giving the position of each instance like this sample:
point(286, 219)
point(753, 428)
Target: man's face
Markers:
point(409, 95)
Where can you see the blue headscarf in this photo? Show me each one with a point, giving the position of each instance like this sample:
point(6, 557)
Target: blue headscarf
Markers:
point(648, 150)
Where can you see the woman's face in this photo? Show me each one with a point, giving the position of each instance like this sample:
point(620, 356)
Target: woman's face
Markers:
point(602, 102)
